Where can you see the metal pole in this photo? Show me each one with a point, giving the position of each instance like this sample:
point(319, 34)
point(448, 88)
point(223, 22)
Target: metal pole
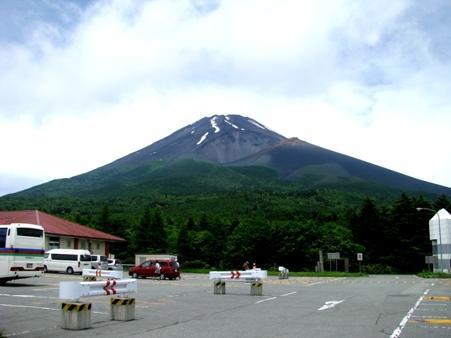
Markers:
point(440, 263)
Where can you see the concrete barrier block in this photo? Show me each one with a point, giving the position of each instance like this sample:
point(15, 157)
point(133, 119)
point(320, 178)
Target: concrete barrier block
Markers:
point(122, 308)
point(75, 316)
point(257, 288)
point(219, 287)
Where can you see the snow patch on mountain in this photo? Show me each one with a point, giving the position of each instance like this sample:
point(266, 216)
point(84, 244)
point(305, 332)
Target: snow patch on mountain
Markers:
point(203, 138)
point(256, 124)
point(230, 123)
point(214, 125)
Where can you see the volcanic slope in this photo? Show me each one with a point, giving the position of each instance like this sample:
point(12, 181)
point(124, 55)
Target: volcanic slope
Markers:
point(229, 152)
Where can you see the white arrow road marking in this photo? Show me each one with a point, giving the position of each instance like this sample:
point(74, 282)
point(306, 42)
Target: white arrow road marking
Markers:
point(330, 304)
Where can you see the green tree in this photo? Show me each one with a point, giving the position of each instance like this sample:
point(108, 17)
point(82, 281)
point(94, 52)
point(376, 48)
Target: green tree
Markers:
point(369, 230)
point(143, 233)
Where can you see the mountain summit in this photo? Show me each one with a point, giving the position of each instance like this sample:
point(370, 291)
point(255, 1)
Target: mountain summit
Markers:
point(229, 152)
point(217, 139)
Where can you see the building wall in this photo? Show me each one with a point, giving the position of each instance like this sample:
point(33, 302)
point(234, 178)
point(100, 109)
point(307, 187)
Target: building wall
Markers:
point(62, 242)
point(444, 250)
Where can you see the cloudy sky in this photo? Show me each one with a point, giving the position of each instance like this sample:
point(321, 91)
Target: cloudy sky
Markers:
point(86, 82)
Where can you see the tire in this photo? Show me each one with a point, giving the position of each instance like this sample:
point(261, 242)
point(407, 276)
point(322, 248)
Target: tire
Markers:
point(135, 275)
point(70, 271)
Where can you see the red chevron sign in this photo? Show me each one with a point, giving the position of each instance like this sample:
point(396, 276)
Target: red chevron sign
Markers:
point(109, 287)
point(234, 274)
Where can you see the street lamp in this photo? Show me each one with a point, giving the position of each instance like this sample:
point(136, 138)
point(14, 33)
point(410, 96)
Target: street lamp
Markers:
point(439, 249)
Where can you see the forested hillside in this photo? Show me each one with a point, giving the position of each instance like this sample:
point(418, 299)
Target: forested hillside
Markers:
point(283, 226)
point(226, 189)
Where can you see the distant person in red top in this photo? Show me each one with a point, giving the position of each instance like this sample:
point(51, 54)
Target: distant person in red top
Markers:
point(254, 266)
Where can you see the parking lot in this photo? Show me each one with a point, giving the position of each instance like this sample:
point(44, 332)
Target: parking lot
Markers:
point(375, 306)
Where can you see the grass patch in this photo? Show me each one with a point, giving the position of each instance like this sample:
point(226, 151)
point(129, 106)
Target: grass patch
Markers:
point(195, 270)
point(427, 274)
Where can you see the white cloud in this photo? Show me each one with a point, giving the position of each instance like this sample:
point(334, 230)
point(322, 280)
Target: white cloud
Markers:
point(365, 79)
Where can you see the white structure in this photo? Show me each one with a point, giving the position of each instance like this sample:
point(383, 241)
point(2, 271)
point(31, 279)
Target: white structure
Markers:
point(440, 235)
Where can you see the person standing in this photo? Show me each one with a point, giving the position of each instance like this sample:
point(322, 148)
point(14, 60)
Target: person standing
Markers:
point(246, 265)
point(157, 269)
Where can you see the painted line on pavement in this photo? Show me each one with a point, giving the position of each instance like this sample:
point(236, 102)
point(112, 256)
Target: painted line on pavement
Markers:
point(404, 321)
point(42, 308)
point(265, 300)
point(46, 289)
point(25, 296)
point(437, 321)
point(438, 298)
point(288, 294)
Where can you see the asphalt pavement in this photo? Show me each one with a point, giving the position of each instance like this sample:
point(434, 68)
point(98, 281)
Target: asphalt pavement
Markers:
point(375, 306)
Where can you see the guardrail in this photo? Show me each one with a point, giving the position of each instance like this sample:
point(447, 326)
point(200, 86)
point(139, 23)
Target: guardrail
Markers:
point(76, 315)
point(254, 276)
point(77, 290)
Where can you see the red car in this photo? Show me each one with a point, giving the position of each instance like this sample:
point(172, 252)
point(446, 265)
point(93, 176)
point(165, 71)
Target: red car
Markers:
point(169, 268)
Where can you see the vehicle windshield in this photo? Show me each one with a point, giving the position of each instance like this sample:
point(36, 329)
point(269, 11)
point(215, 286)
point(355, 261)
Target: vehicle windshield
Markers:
point(3, 237)
point(30, 232)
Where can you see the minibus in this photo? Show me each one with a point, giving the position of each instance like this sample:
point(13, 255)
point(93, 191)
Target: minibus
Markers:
point(67, 260)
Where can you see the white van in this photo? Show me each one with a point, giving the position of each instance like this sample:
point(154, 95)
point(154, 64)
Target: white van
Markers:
point(67, 260)
point(99, 262)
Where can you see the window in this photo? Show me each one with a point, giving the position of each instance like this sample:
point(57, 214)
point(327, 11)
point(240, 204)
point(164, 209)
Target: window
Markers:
point(3, 237)
point(30, 232)
point(64, 257)
point(54, 242)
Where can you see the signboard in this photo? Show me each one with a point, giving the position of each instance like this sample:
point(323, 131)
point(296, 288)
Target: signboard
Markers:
point(429, 259)
point(333, 255)
point(359, 256)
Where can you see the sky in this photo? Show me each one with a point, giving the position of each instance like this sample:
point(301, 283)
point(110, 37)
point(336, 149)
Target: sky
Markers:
point(84, 83)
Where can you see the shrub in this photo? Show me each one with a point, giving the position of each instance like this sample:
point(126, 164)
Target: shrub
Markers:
point(377, 269)
point(196, 264)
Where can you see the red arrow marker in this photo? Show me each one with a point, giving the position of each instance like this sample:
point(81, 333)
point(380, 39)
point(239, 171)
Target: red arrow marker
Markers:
point(234, 274)
point(109, 287)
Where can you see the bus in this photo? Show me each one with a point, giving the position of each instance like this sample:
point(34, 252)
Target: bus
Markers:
point(21, 251)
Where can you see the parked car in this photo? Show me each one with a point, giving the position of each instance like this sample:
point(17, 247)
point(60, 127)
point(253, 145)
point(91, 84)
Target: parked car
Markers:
point(67, 260)
point(99, 262)
point(169, 268)
point(114, 264)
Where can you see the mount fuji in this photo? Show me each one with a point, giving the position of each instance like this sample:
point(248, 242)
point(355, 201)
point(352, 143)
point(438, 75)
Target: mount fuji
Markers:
point(229, 151)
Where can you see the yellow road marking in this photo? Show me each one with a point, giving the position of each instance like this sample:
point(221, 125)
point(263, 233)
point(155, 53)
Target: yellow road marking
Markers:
point(435, 321)
point(438, 298)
